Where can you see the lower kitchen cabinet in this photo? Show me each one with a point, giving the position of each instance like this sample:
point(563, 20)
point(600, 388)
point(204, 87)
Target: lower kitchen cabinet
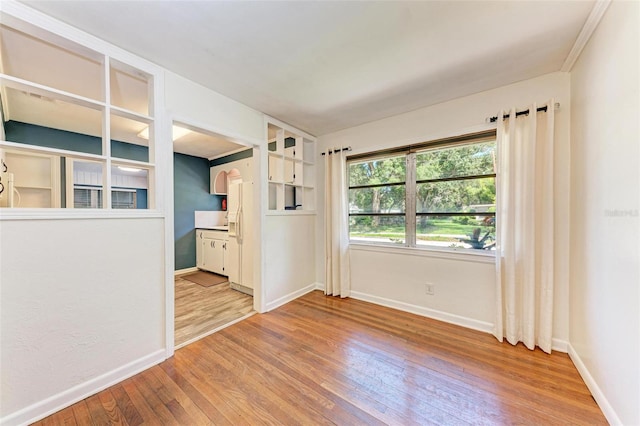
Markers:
point(211, 247)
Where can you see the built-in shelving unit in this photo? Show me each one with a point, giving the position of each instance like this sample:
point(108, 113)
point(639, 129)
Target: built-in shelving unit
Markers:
point(219, 183)
point(291, 173)
point(104, 106)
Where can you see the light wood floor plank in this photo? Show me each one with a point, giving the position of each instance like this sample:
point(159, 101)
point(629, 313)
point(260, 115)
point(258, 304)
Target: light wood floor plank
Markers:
point(199, 309)
point(323, 360)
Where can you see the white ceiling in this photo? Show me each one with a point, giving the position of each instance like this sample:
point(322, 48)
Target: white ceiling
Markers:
point(324, 66)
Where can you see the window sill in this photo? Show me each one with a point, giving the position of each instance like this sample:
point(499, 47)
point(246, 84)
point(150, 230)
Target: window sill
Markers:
point(66, 214)
point(290, 213)
point(449, 254)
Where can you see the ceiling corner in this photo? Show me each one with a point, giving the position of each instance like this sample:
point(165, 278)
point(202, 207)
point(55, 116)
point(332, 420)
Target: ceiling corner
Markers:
point(590, 25)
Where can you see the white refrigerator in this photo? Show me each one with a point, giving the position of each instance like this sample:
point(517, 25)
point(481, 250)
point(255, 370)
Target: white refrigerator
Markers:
point(240, 244)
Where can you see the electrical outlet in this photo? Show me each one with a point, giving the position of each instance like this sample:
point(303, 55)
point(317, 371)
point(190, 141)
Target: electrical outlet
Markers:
point(430, 289)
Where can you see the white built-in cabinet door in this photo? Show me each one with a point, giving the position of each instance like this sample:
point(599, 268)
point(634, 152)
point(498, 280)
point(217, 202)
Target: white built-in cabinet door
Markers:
point(211, 251)
point(232, 261)
point(214, 255)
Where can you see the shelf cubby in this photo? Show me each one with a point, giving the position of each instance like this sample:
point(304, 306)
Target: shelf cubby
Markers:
point(291, 174)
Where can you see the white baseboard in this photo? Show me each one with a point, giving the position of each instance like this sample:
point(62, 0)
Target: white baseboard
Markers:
point(185, 271)
point(289, 297)
point(318, 286)
point(55, 403)
point(598, 395)
point(559, 345)
point(426, 312)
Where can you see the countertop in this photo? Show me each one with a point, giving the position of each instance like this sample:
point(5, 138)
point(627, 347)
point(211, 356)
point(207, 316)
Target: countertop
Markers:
point(216, 228)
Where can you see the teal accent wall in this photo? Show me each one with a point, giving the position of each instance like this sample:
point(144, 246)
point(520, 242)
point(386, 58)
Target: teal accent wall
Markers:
point(60, 139)
point(190, 184)
point(248, 153)
point(288, 143)
point(32, 134)
point(190, 193)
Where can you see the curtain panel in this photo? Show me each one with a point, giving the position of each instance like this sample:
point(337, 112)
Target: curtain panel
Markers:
point(525, 228)
point(337, 264)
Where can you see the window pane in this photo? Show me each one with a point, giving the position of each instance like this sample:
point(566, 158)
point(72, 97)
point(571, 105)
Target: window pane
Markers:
point(129, 87)
point(51, 61)
point(384, 199)
point(474, 195)
point(87, 198)
point(378, 229)
point(29, 180)
point(129, 187)
point(467, 160)
point(122, 199)
point(53, 123)
point(129, 139)
point(472, 232)
point(87, 183)
point(377, 171)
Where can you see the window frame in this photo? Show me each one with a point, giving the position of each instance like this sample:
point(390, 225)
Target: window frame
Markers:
point(411, 183)
point(381, 185)
point(111, 60)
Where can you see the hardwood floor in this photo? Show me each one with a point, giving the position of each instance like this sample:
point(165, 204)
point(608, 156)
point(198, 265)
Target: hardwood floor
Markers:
point(320, 360)
point(199, 309)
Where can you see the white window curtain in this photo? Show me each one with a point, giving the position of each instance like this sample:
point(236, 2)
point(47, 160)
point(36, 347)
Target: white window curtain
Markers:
point(525, 228)
point(337, 267)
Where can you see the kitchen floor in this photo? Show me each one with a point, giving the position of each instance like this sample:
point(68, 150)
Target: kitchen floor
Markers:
point(200, 310)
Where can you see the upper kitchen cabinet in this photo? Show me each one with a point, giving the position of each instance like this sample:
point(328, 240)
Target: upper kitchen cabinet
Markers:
point(81, 114)
point(291, 165)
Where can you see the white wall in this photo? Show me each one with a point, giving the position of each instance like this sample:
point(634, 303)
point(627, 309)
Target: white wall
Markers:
point(463, 289)
point(82, 303)
point(195, 105)
point(290, 248)
point(83, 295)
point(605, 204)
point(210, 110)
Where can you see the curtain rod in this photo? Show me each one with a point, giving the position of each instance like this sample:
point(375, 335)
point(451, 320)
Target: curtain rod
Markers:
point(526, 111)
point(337, 150)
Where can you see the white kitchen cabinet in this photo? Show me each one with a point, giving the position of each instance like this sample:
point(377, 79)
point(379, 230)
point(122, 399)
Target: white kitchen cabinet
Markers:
point(211, 247)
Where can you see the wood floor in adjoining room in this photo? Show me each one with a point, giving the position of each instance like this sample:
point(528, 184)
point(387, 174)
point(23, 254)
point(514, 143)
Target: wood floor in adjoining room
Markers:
point(199, 309)
point(323, 360)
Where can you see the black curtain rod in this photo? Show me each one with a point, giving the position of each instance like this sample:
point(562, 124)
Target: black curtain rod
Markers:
point(525, 112)
point(337, 150)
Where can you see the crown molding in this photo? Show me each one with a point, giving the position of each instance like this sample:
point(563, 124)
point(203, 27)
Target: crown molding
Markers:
point(594, 18)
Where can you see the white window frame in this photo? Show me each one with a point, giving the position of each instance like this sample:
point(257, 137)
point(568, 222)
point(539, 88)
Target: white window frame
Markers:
point(40, 26)
point(410, 245)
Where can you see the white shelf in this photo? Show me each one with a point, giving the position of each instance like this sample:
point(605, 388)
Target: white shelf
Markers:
point(291, 179)
point(131, 115)
point(49, 92)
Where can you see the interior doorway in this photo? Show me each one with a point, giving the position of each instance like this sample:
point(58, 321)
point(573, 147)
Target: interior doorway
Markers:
point(213, 177)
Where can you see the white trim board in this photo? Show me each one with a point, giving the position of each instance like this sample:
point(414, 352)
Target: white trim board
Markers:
point(185, 271)
point(291, 296)
point(598, 395)
point(55, 403)
point(594, 18)
point(425, 312)
point(558, 345)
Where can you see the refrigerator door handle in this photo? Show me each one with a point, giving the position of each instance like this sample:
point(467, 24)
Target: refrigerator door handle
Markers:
point(239, 225)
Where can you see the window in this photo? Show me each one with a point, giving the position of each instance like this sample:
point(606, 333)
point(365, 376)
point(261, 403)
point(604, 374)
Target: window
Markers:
point(437, 195)
point(77, 125)
point(377, 197)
